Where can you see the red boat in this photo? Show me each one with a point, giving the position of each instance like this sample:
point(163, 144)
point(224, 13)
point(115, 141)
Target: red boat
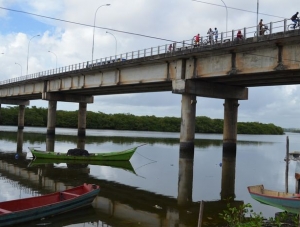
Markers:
point(28, 209)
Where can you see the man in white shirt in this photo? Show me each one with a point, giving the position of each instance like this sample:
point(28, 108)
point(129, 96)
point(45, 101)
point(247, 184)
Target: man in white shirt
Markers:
point(216, 34)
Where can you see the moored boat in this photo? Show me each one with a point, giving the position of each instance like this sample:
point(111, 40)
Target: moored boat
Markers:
point(28, 209)
point(109, 156)
point(282, 200)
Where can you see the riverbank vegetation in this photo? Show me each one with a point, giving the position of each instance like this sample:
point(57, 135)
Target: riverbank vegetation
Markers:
point(37, 117)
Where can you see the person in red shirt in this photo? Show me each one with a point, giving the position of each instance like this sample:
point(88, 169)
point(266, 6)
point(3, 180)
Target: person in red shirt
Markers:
point(239, 35)
point(197, 39)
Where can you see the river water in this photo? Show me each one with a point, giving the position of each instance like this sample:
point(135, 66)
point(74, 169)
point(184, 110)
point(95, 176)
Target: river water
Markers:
point(157, 187)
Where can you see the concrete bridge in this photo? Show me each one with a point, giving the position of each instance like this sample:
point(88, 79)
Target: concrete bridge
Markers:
point(221, 70)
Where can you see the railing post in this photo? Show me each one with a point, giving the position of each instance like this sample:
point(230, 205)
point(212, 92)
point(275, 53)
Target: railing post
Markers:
point(257, 31)
point(151, 51)
point(221, 37)
point(166, 48)
point(245, 33)
point(158, 50)
point(201, 40)
point(126, 56)
point(232, 35)
point(284, 24)
point(132, 55)
point(271, 28)
point(183, 43)
point(138, 53)
point(145, 52)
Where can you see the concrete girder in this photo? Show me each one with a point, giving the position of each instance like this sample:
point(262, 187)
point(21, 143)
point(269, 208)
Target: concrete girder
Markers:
point(210, 90)
point(15, 102)
point(67, 97)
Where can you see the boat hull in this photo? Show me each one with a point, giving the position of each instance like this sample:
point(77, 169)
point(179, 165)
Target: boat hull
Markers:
point(286, 201)
point(8, 216)
point(112, 156)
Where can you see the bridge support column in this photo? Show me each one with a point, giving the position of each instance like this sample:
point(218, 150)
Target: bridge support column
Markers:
point(230, 124)
point(50, 141)
point(82, 119)
point(187, 128)
point(21, 116)
point(229, 149)
point(51, 122)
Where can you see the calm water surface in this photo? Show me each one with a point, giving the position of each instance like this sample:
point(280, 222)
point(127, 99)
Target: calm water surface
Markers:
point(157, 187)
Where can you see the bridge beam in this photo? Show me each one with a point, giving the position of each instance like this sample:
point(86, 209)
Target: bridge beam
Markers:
point(210, 90)
point(67, 97)
point(14, 102)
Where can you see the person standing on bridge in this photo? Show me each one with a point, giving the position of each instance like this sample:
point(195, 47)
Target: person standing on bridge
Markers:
point(295, 19)
point(210, 36)
point(261, 29)
point(216, 35)
point(197, 39)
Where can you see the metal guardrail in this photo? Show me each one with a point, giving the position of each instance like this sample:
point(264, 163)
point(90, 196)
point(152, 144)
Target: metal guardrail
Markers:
point(228, 38)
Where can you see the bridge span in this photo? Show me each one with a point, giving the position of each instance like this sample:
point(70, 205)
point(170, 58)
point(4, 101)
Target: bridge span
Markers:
point(221, 70)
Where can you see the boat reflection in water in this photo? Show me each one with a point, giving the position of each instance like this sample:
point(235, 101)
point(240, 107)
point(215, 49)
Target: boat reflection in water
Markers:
point(77, 164)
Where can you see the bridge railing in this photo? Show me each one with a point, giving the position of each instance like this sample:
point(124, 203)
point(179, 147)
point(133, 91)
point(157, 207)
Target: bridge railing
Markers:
point(227, 38)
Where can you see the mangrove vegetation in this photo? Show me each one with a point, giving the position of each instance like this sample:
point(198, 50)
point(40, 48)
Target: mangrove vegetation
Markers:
point(37, 117)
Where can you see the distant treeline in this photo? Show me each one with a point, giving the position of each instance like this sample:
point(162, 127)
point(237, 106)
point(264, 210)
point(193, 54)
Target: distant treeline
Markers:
point(69, 119)
point(295, 130)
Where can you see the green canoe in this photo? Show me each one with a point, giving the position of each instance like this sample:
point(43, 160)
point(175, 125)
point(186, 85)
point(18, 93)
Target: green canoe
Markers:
point(110, 156)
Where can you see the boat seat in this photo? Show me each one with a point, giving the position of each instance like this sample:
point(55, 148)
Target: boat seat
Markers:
point(4, 211)
point(68, 193)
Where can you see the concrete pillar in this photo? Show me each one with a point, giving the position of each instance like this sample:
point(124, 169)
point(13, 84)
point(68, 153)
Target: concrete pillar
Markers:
point(187, 128)
point(230, 124)
point(229, 148)
point(20, 141)
point(51, 120)
point(228, 175)
point(50, 142)
point(81, 142)
point(185, 178)
point(82, 119)
point(21, 116)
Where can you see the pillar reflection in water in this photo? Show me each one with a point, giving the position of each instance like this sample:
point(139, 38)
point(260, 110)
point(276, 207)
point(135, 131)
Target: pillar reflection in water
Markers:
point(228, 173)
point(20, 141)
point(185, 181)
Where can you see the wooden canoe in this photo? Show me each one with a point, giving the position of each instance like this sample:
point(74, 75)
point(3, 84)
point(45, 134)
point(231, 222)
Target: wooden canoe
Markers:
point(282, 200)
point(109, 156)
point(28, 209)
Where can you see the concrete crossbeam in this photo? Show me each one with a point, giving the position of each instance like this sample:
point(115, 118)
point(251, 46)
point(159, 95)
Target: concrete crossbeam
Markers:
point(67, 97)
point(210, 90)
point(14, 102)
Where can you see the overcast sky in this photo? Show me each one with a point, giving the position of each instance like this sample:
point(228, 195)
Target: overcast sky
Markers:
point(175, 20)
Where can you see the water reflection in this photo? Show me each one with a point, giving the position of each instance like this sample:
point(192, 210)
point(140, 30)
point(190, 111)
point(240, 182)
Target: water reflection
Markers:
point(164, 193)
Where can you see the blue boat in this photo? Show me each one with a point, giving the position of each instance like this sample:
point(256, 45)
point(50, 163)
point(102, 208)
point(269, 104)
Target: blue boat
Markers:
point(28, 209)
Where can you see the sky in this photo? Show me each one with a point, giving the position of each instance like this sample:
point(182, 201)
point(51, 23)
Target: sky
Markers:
point(71, 43)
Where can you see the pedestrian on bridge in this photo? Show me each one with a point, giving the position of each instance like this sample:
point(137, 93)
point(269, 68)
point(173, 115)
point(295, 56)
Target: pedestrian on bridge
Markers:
point(216, 34)
point(197, 39)
point(210, 36)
